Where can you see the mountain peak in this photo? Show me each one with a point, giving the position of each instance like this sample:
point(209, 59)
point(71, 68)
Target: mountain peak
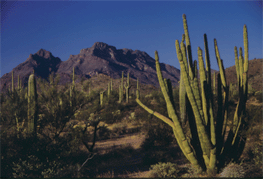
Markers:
point(102, 46)
point(44, 53)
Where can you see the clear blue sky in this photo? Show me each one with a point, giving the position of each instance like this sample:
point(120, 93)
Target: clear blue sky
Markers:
point(66, 27)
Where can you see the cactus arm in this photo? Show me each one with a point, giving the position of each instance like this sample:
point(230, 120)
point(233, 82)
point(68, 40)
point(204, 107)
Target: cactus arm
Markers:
point(237, 65)
point(188, 46)
point(170, 109)
point(203, 84)
point(156, 114)
point(241, 68)
point(182, 102)
point(245, 37)
point(207, 61)
point(220, 65)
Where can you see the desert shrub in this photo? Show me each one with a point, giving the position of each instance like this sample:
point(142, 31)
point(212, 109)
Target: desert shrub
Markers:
point(191, 172)
point(259, 96)
point(258, 154)
point(118, 129)
point(103, 133)
point(254, 114)
point(164, 170)
point(233, 170)
point(27, 156)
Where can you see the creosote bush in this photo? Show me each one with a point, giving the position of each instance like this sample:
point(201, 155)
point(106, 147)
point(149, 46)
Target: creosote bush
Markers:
point(164, 170)
point(233, 170)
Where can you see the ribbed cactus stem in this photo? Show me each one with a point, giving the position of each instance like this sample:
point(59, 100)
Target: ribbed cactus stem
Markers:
point(214, 82)
point(237, 65)
point(32, 104)
point(182, 96)
point(241, 68)
point(203, 81)
point(188, 45)
point(220, 64)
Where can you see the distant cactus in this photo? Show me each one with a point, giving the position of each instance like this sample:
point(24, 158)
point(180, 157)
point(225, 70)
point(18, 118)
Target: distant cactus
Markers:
point(32, 104)
point(127, 88)
point(138, 89)
point(109, 91)
point(13, 81)
point(121, 89)
point(101, 98)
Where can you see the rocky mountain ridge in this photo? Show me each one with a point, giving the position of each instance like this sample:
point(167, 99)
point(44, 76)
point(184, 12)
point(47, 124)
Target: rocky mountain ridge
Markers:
point(101, 58)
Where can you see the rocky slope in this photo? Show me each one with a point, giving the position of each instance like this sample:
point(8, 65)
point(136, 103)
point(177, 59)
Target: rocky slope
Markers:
point(101, 58)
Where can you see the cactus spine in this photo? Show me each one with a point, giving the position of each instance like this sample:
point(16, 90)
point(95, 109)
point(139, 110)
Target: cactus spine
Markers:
point(206, 147)
point(32, 104)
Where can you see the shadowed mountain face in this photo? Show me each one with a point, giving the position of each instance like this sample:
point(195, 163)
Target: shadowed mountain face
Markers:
point(101, 58)
point(42, 62)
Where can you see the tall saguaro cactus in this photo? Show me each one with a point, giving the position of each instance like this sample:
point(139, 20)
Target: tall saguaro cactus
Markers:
point(138, 89)
point(121, 89)
point(13, 81)
point(32, 104)
point(206, 146)
point(127, 88)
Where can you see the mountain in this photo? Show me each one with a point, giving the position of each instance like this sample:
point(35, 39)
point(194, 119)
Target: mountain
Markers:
point(255, 74)
point(101, 58)
point(42, 62)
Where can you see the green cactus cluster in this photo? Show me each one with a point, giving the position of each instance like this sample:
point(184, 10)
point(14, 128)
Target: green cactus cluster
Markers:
point(206, 147)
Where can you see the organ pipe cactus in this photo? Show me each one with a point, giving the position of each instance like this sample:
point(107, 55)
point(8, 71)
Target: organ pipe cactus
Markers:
point(205, 147)
point(32, 112)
